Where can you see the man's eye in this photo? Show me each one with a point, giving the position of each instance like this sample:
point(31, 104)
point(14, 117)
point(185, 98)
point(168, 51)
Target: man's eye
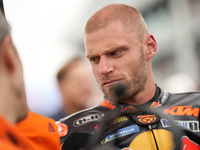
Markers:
point(115, 53)
point(95, 60)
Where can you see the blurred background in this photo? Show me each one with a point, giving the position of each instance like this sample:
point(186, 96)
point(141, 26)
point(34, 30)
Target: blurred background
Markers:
point(47, 33)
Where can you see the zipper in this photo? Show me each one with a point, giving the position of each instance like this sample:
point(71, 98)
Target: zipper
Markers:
point(151, 129)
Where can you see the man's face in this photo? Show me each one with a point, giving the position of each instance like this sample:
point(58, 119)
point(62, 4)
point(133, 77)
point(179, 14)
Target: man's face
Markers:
point(117, 57)
point(19, 90)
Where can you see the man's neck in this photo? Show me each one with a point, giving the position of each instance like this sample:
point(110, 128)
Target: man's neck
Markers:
point(8, 116)
point(142, 97)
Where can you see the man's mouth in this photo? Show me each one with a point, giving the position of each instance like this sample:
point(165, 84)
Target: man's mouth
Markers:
point(111, 82)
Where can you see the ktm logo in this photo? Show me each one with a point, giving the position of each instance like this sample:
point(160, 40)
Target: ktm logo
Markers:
point(182, 110)
point(108, 104)
point(145, 119)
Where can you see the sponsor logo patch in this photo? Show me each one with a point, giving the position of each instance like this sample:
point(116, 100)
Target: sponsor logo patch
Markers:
point(97, 128)
point(155, 105)
point(87, 119)
point(191, 125)
point(128, 109)
point(182, 111)
point(120, 133)
point(62, 129)
point(51, 128)
point(120, 120)
point(188, 144)
point(145, 119)
point(108, 104)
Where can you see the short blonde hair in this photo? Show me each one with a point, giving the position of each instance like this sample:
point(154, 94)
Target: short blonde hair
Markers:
point(127, 15)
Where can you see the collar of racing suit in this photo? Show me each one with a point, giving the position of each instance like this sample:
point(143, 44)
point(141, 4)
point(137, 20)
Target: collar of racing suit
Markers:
point(159, 98)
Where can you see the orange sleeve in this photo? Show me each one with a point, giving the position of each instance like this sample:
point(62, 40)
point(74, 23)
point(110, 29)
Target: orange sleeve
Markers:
point(4, 145)
point(12, 139)
point(41, 132)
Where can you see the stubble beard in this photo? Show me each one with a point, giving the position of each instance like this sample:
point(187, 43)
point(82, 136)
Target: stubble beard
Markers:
point(132, 87)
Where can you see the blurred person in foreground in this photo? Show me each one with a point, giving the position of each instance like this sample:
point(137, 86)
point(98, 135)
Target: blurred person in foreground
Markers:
point(76, 85)
point(136, 113)
point(20, 128)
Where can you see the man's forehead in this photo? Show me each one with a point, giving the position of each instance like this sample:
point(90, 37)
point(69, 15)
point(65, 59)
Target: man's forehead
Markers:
point(112, 26)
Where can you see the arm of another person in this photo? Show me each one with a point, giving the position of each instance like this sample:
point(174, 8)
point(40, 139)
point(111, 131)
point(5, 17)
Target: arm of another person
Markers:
point(41, 132)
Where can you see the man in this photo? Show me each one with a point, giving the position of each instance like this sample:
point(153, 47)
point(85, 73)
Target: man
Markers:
point(76, 86)
point(120, 49)
point(32, 131)
point(13, 107)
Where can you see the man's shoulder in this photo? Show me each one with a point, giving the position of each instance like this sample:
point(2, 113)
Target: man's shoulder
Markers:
point(82, 122)
point(96, 110)
point(195, 94)
point(185, 98)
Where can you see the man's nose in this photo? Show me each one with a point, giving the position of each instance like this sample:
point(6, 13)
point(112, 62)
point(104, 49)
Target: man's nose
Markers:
point(105, 66)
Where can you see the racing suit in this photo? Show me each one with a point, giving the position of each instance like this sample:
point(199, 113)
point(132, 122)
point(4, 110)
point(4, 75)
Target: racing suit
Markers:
point(127, 127)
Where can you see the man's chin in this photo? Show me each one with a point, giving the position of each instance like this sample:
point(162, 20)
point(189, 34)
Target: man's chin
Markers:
point(112, 97)
point(115, 93)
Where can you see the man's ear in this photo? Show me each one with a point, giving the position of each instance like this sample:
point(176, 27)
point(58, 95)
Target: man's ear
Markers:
point(151, 45)
point(8, 54)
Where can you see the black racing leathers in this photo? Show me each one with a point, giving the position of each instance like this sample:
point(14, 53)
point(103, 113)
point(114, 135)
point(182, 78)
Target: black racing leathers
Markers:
point(166, 120)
